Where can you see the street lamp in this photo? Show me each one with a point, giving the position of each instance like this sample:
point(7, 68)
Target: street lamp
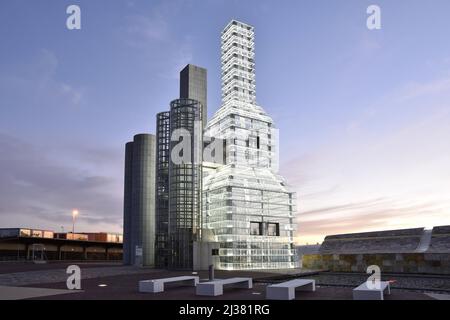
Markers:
point(74, 215)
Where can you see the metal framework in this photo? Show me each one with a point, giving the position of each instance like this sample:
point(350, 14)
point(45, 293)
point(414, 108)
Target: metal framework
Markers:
point(162, 189)
point(185, 185)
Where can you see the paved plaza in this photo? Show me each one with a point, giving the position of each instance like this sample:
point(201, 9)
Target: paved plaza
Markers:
point(117, 282)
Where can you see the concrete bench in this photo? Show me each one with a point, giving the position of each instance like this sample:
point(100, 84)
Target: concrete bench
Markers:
point(157, 285)
point(286, 290)
point(363, 292)
point(215, 288)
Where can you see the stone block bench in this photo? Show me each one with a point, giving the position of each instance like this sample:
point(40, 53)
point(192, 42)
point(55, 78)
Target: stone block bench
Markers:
point(157, 285)
point(363, 292)
point(215, 288)
point(286, 290)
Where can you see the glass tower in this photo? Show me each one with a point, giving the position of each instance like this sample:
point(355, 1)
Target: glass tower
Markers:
point(185, 182)
point(246, 204)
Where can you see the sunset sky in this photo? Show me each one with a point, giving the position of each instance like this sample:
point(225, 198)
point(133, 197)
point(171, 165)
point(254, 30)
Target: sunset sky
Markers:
point(364, 116)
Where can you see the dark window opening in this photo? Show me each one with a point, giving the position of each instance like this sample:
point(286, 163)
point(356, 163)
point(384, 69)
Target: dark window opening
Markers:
point(256, 228)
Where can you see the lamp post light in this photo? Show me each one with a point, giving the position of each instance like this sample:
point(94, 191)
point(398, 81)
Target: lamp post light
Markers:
point(74, 215)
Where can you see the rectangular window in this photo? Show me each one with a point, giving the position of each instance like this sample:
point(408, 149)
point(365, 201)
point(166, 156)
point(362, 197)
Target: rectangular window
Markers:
point(48, 234)
point(25, 233)
point(256, 228)
point(258, 144)
point(273, 229)
point(36, 234)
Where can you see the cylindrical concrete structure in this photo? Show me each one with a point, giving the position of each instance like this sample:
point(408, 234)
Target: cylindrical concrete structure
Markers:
point(139, 204)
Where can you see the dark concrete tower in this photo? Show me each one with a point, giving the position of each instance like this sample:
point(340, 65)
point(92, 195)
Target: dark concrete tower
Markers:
point(127, 243)
point(193, 85)
point(139, 201)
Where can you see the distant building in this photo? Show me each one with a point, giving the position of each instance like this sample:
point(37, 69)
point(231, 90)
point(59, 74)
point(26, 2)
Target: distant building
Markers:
point(91, 236)
point(386, 241)
point(72, 236)
point(139, 201)
point(18, 244)
point(24, 232)
point(416, 251)
point(105, 237)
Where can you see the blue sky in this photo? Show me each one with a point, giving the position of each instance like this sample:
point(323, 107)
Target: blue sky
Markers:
point(364, 116)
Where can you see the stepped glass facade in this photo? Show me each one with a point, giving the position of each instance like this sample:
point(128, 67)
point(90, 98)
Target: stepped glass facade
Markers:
point(246, 204)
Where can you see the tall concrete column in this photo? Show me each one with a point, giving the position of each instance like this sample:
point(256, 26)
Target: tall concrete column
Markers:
point(139, 201)
point(127, 250)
